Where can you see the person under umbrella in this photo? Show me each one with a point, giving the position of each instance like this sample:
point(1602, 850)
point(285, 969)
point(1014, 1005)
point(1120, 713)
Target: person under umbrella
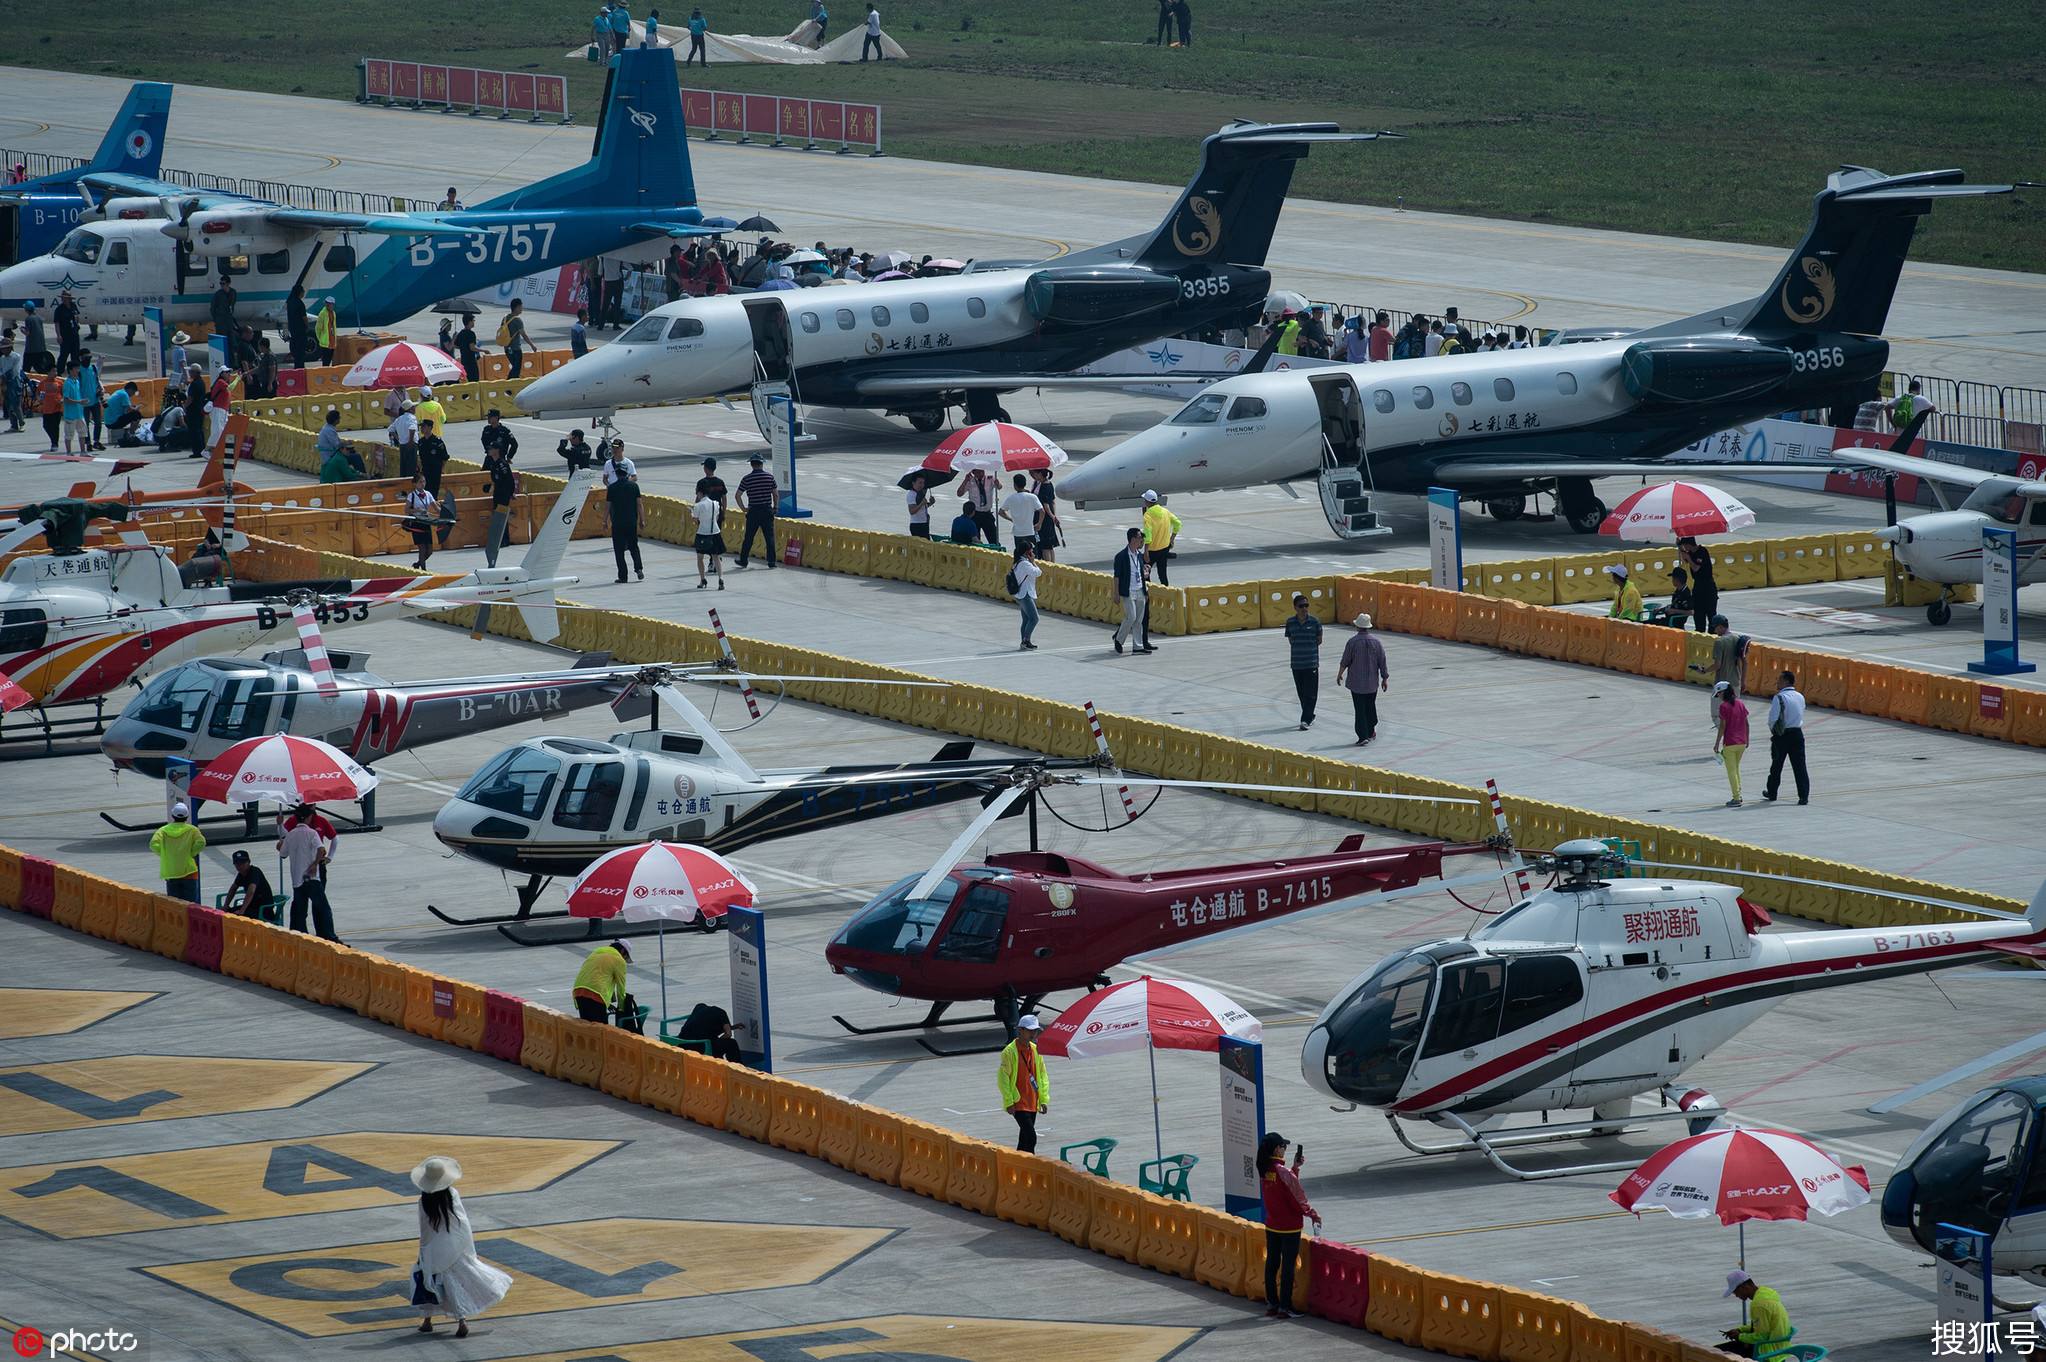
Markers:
point(659, 882)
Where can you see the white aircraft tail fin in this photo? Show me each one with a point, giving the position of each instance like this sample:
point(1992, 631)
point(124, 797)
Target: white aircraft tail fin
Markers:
point(544, 556)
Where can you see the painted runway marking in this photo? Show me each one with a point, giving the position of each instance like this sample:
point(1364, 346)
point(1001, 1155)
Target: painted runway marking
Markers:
point(59, 1011)
point(927, 1338)
point(122, 1088)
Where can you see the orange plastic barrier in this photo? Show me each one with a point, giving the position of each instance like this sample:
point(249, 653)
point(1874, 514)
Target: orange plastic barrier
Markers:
point(1548, 633)
point(1596, 1340)
point(838, 1130)
point(277, 956)
point(351, 981)
point(1645, 1344)
point(99, 914)
point(1516, 626)
point(1663, 653)
point(172, 922)
point(706, 1090)
point(1623, 645)
point(1437, 615)
point(1116, 1220)
point(1477, 619)
point(1355, 596)
point(1533, 1328)
point(663, 1078)
point(1868, 688)
point(1824, 679)
point(1072, 1203)
point(422, 1018)
point(540, 1045)
point(2026, 711)
point(1303, 1272)
point(134, 917)
point(466, 1027)
point(1023, 1188)
point(1399, 607)
point(1171, 1238)
point(1585, 639)
point(1395, 1310)
point(1950, 703)
point(624, 1063)
point(1459, 1316)
point(880, 1156)
point(67, 899)
point(926, 1159)
point(386, 990)
point(796, 1119)
point(315, 973)
point(1221, 1261)
point(241, 951)
point(749, 1109)
point(580, 1057)
point(972, 1179)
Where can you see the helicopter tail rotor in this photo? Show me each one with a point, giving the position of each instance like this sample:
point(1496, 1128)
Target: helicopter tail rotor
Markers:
point(314, 644)
point(725, 647)
point(1129, 807)
point(1505, 837)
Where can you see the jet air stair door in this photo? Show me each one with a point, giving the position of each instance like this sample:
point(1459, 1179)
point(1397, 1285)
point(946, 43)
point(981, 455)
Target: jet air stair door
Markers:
point(1345, 478)
point(774, 349)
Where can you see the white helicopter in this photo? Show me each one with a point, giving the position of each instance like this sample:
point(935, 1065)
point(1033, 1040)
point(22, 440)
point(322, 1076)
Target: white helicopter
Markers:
point(1590, 993)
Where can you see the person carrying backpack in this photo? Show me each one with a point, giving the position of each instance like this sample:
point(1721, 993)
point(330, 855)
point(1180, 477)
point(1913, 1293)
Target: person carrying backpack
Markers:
point(1022, 584)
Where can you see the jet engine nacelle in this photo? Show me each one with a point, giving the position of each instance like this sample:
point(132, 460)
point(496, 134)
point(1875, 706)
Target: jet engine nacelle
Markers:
point(1684, 371)
point(1090, 297)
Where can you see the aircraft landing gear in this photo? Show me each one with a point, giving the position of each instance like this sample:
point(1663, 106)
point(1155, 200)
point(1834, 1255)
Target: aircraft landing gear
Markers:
point(1941, 610)
point(983, 406)
point(926, 421)
point(1507, 508)
point(1580, 508)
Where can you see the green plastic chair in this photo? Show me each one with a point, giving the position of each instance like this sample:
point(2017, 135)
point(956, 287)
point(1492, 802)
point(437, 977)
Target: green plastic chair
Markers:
point(668, 1036)
point(1793, 1352)
point(1094, 1158)
point(271, 912)
point(1171, 1177)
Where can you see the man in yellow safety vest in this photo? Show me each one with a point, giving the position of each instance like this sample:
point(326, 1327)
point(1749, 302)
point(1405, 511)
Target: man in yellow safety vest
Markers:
point(1626, 596)
point(1026, 1088)
point(1161, 527)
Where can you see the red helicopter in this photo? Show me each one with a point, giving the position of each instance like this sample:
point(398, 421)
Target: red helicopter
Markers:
point(1024, 924)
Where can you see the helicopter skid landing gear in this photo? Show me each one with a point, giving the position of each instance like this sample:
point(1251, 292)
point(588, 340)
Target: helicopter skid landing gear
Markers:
point(528, 894)
point(1490, 1142)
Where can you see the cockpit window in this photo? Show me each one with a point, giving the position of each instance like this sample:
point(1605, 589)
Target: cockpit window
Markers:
point(1373, 1036)
point(1467, 1010)
point(1204, 410)
point(590, 796)
point(175, 700)
point(894, 924)
point(244, 708)
point(1538, 987)
point(1998, 499)
point(1247, 409)
point(976, 934)
point(516, 782)
point(82, 246)
point(645, 331)
point(685, 328)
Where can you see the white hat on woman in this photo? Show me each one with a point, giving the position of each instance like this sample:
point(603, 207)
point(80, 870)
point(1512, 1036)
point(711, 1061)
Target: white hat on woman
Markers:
point(436, 1174)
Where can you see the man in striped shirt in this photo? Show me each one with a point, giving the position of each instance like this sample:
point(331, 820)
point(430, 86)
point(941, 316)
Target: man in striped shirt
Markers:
point(758, 495)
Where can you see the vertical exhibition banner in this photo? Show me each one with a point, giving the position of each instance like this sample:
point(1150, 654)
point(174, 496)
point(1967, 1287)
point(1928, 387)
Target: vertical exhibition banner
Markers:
point(1243, 1124)
point(154, 348)
point(1445, 540)
point(748, 931)
point(2000, 605)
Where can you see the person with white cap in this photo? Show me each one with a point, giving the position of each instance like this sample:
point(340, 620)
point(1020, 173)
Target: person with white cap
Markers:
point(1626, 596)
point(1768, 1323)
point(177, 845)
point(306, 851)
point(1363, 672)
point(1730, 736)
point(1026, 1088)
point(1161, 527)
point(449, 1278)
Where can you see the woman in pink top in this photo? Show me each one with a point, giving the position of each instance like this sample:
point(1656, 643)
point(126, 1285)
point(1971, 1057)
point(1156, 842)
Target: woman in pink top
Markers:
point(1730, 736)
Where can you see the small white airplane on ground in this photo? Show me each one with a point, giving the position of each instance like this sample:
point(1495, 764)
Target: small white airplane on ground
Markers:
point(1945, 546)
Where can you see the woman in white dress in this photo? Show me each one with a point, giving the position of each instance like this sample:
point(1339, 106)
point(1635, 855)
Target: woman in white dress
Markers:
point(449, 1279)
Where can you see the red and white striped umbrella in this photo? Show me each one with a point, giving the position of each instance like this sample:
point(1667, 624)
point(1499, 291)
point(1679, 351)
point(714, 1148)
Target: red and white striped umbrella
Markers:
point(12, 696)
point(283, 768)
point(1743, 1175)
point(403, 365)
point(1163, 1014)
point(998, 447)
point(656, 880)
point(1670, 510)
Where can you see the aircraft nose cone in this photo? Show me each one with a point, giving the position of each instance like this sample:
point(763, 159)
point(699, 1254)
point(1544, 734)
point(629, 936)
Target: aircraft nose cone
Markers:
point(1314, 1062)
point(1892, 534)
point(455, 824)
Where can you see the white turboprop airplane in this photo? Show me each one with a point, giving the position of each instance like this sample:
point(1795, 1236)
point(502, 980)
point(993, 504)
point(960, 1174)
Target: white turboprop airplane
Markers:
point(1497, 427)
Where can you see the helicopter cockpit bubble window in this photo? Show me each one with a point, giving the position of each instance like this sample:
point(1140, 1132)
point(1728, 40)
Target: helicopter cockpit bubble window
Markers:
point(589, 796)
point(1374, 1034)
point(176, 699)
point(515, 782)
point(1202, 411)
point(1544, 917)
point(976, 934)
point(894, 924)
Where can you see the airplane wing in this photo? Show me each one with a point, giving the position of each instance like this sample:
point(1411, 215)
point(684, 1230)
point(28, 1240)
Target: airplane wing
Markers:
point(1468, 472)
point(381, 224)
point(905, 385)
point(142, 186)
point(1934, 469)
point(676, 229)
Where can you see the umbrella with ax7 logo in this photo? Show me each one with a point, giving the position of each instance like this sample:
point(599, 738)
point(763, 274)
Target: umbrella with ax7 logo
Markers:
point(660, 882)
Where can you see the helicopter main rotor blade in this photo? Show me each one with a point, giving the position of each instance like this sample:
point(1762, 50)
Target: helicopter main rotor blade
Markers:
point(955, 853)
point(1965, 1071)
point(706, 730)
point(1274, 789)
point(14, 539)
point(315, 647)
point(743, 677)
point(1341, 905)
point(1975, 908)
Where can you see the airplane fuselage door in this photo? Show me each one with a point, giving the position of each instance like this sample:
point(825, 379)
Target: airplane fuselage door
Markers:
point(1345, 479)
point(773, 345)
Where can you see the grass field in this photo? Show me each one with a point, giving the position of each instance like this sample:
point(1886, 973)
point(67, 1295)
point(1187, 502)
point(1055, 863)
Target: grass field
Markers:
point(1690, 118)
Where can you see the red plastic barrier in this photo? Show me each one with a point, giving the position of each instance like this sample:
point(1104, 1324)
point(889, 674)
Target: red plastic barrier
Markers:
point(697, 109)
point(731, 113)
point(490, 89)
point(291, 383)
point(462, 86)
point(1339, 1283)
point(204, 938)
point(504, 1025)
point(405, 80)
point(376, 79)
point(38, 885)
point(795, 120)
point(863, 124)
point(433, 84)
point(761, 111)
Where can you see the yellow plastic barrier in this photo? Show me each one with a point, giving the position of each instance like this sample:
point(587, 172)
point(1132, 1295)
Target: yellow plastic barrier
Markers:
point(624, 1063)
point(1395, 1309)
point(1532, 580)
point(749, 1105)
point(838, 1130)
point(1645, 1344)
point(99, 914)
point(1584, 578)
point(1868, 688)
point(1825, 679)
point(422, 1018)
point(540, 1050)
point(1438, 613)
point(172, 919)
point(852, 552)
point(67, 904)
point(1224, 1249)
point(1516, 626)
point(1222, 758)
point(1275, 599)
point(1533, 1328)
point(1585, 639)
point(277, 956)
point(987, 575)
point(1303, 1272)
point(387, 991)
point(926, 1159)
point(313, 967)
point(1737, 565)
point(797, 1118)
point(1624, 641)
point(580, 1059)
point(1477, 620)
point(664, 1078)
point(880, 1156)
point(887, 556)
point(1859, 555)
point(1797, 561)
point(1098, 600)
point(952, 567)
point(1296, 769)
point(352, 981)
point(972, 1177)
point(1171, 1237)
point(1459, 1316)
point(1166, 613)
point(1135, 744)
point(1548, 633)
point(1697, 653)
point(1219, 609)
point(241, 948)
point(919, 564)
point(1450, 822)
point(998, 715)
point(1183, 753)
point(1115, 1220)
point(1647, 568)
point(1593, 1339)
point(706, 1090)
point(1072, 1203)
point(1348, 793)
point(1399, 607)
point(1023, 1188)
point(1950, 703)
point(465, 1028)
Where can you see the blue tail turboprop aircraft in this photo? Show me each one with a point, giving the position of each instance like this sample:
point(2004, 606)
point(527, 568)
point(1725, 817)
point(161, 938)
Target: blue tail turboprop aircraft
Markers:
point(636, 185)
point(35, 214)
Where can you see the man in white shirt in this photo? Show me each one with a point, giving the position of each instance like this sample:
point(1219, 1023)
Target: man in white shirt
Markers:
point(1786, 740)
point(1023, 509)
point(873, 38)
point(1129, 586)
point(618, 466)
point(305, 851)
point(1027, 572)
point(710, 540)
point(404, 436)
point(1434, 343)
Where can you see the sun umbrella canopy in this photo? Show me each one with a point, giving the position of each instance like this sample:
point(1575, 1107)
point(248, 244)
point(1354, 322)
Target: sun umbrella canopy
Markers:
point(757, 223)
point(1743, 1175)
point(948, 264)
point(892, 258)
point(653, 880)
point(936, 470)
point(1162, 1014)
point(802, 258)
point(1670, 510)
point(403, 365)
point(886, 275)
point(1285, 300)
point(283, 768)
point(724, 224)
point(998, 447)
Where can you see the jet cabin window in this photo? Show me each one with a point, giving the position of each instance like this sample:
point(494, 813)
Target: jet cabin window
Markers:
point(810, 322)
point(1566, 384)
point(1460, 393)
point(846, 320)
point(517, 782)
point(590, 796)
point(1247, 409)
point(685, 328)
point(176, 699)
point(234, 264)
point(1382, 399)
point(880, 315)
point(918, 313)
point(1502, 388)
point(975, 308)
point(1202, 411)
point(81, 246)
point(1424, 396)
point(645, 331)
